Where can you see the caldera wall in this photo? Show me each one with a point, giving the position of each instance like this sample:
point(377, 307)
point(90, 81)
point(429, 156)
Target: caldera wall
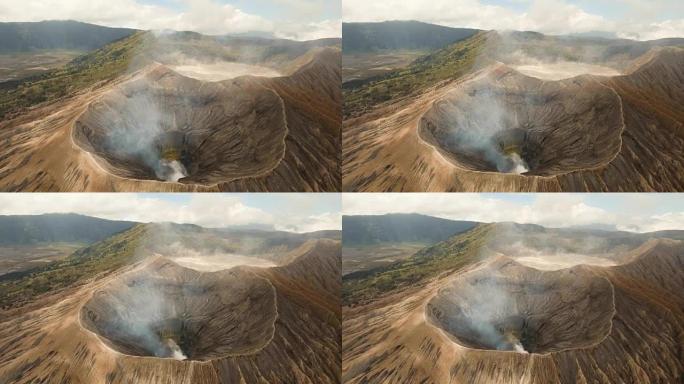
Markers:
point(553, 127)
point(207, 315)
point(218, 131)
point(507, 306)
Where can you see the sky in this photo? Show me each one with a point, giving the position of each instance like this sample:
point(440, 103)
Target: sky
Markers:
point(634, 19)
point(293, 19)
point(303, 212)
point(639, 212)
point(307, 212)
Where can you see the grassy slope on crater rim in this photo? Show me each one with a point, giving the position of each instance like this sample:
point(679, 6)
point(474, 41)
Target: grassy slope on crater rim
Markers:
point(445, 257)
point(104, 64)
point(21, 288)
point(447, 63)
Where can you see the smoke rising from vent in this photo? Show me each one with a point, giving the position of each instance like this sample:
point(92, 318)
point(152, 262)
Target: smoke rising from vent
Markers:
point(492, 316)
point(176, 351)
point(162, 309)
point(481, 126)
point(171, 170)
point(142, 132)
point(506, 306)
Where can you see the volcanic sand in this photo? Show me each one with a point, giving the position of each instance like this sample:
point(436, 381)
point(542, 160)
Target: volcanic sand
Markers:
point(638, 120)
point(222, 70)
point(563, 70)
point(67, 340)
point(49, 151)
point(398, 339)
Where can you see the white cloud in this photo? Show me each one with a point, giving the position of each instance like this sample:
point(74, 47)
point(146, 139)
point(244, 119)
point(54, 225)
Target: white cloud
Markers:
point(204, 16)
point(323, 221)
point(208, 210)
point(670, 220)
point(552, 210)
point(546, 16)
point(311, 31)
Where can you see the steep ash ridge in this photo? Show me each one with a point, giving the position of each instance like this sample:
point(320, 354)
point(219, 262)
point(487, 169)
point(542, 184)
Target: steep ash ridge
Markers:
point(497, 129)
point(236, 114)
point(490, 319)
point(153, 321)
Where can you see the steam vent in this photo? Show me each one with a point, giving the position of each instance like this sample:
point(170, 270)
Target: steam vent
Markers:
point(168, 127)
point(514, 308)
point(167, 311)
point(519, 124)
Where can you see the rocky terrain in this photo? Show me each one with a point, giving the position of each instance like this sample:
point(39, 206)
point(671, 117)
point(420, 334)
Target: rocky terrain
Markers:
point(152, 320)
point(147, 127)
point(522, 113)
point(484, 317)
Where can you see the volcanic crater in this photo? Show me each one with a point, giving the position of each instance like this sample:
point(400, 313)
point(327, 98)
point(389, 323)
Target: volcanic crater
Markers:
point(163, 126)
point(510, 307)
point(506, 122)
point(167, 311)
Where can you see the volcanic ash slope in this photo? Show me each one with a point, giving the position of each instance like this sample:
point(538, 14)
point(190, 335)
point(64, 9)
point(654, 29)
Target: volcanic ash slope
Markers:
point(500, 130)
point(500, 322)
point(158, 322)
point(158, 130)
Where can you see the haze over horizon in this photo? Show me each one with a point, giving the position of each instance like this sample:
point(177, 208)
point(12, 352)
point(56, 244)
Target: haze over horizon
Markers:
point(297, 20)
point(287, 212)
point(632, 19)
point(627, 212)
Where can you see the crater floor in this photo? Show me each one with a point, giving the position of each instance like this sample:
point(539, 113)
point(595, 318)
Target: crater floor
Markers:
point(166, 127)
point(168, 311)
point(507, 306)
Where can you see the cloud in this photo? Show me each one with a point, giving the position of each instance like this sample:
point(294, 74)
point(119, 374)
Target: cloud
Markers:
point(204, 16)
point(319, 222)
point(311, 31)
point(627, 19)
point(208, 210)
point(667, 221)
point(633, 213)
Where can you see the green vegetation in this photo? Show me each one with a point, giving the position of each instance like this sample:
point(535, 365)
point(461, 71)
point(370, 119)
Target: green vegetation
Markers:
point(365, 257)
point(20, 288)
point(451, 62)
point(445, 257)
point(360, 68)
point(84, 71)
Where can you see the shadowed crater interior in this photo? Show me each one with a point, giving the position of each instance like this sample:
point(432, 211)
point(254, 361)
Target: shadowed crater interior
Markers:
point(172, 312)
point(167, 127)
point(515, 308)
point(509, 123)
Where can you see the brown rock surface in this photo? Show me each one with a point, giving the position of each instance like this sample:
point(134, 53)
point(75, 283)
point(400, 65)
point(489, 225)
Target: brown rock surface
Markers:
point(588, 133)
point(252, 325)
point(585, 324)
point(242, 134)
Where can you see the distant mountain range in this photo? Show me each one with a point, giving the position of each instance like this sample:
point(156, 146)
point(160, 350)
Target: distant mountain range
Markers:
point(51, 228)
point(395, 35)
point(67, 35)
point(398, 228)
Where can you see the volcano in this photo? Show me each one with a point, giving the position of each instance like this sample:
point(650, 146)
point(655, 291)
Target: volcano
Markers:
point(215, 131)
point(466, 311)
point(493, 113)
point(479, 126)
point(182, 112)
point(132, 314)
point(510, 307)
point(164, 309)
